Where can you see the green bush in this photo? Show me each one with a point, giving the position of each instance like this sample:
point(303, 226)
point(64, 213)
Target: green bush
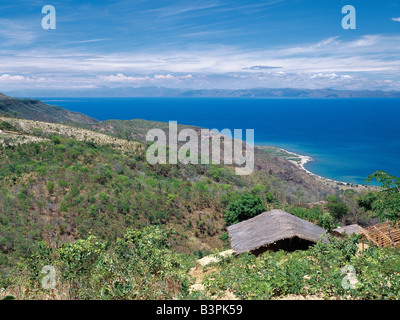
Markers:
point(309, 214)
point(337, 209)
point(56, 140)
point(327, 222)
point(4, 125)
point(246, 206)
point(224, 237)
point(50, 186)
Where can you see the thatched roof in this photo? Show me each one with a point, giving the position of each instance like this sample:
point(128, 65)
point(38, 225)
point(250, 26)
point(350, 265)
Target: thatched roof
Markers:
point(350, 229)
point(269, 228)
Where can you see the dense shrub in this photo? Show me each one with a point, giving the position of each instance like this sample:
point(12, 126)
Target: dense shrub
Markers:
point(141, 265)
point(246, 206)
point(4, 125)
point(337, 208)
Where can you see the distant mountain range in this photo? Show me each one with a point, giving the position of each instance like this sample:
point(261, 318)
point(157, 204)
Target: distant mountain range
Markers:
point(33, 109)
point(171, 92)
point(293, 93)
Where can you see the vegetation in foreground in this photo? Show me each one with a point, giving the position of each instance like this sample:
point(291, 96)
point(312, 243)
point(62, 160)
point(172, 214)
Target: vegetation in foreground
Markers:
point(338, 270)
point(115, 227)
point(141, 265)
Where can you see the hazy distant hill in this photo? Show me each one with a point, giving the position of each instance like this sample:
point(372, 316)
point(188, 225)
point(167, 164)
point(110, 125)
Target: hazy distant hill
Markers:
point(33, 109)
point(187, 92)
point(293, 93)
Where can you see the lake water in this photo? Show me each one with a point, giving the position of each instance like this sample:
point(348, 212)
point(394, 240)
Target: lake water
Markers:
point(348, 138)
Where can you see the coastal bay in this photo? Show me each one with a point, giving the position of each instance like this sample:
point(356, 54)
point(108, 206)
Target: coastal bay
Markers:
point(349, 139)
point(301, 160)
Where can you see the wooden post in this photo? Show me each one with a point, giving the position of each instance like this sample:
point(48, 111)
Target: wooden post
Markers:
point(390, 234)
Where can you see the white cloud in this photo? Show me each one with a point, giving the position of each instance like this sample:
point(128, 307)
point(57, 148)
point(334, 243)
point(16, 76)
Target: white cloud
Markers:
point(162, 77)
point(364, 62)
point(171, 77)
point(396, 19)
point(6, 77)
point(372, 53)
point(324, 76)
point(119, 77)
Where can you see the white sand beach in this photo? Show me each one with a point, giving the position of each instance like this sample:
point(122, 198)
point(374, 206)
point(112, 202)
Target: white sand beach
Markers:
point(333, 183)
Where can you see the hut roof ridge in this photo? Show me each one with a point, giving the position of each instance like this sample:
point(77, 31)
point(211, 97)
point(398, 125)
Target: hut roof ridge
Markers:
point(270, 227)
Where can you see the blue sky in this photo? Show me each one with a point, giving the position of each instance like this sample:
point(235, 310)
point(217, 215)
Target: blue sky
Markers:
point(200, 44)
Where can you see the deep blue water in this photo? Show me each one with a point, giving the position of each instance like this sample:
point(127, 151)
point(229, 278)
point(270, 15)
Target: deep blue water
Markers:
point(348, 138)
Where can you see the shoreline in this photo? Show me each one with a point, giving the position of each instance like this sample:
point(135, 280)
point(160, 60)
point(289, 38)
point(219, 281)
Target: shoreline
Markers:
point(334, 183)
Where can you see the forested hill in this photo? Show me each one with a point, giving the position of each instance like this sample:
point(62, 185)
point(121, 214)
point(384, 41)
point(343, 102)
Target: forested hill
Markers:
point(33, 109)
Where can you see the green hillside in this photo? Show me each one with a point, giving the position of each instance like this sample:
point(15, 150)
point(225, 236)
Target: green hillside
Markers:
point(37, 110)
point(83, 198)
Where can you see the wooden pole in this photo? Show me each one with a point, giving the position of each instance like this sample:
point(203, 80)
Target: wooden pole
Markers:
point(390, 234)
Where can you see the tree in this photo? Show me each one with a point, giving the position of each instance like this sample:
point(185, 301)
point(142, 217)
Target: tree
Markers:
point(261, 190)
point(386, 202)
point(327, 222)
point(367, 200)
point(4, 125)
point(337, 208)
point(244, 207)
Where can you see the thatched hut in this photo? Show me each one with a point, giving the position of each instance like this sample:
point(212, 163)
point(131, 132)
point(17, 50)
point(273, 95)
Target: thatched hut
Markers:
point(274, 230)
point(384, 234)
point(347, 230)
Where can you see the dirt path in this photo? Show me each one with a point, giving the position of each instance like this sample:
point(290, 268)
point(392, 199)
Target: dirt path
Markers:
point(199, 272)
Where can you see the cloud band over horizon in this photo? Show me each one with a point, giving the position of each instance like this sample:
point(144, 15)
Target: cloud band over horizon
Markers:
point(192, 46)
